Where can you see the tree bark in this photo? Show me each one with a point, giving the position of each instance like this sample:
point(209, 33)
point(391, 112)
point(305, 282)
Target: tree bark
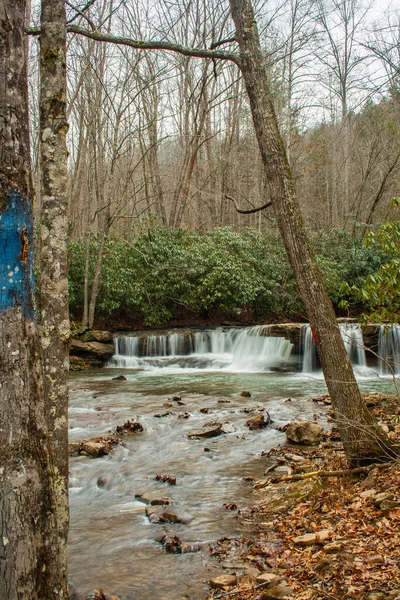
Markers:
point(362, 438)
point(54, 314)
point(28, 540)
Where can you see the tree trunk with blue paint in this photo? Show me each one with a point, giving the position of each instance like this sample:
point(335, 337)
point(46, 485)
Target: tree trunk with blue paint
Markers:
point(28, 503)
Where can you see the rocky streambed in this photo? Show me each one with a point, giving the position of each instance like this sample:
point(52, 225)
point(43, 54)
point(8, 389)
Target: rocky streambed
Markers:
point(169, 486)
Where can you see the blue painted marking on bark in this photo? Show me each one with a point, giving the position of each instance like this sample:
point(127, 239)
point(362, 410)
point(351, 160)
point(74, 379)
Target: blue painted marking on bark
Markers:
point(16, 255)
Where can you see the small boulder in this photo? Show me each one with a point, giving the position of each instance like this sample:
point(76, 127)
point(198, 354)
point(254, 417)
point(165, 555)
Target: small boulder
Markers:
point(154, 498)
point(245, 394)
point(309, 539)
point(130, 427)
point(207, 432)
point(166, 479)
point(306, 433)
point(219, 583)
point(119, 378)
point(257, 422)
point(384, 501)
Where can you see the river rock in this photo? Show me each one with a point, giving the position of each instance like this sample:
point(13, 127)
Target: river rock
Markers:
point(154, 498)
point(257, 422)
point(245, 394)
point(174, 545)
point(309, 539)
point(129, 427)
point(158, 514)
point(119, 378)
point(166, 479)
point(209, 432)
point(95, 447)
point(306, 433)
point(219, 583)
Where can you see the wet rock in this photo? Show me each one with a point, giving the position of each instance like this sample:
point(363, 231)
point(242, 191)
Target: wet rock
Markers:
point(219, 583)
point(306, 433)
point(154, 498)
point(174, 545)
point(309, 539)
point(101, 482)
point(209, 432)
point(245, 394)
point(205, 410)
point(119, 378)
point(284, 368)
point(166, 479)
point(158, 514)
point(73, 448)
point(167, 404)
point(230, 506)
point(257, 422)
point(95, 447)
point(161, 415)
point(176, 398)
point(223, 401)
point(129, 427)
point(184, 415)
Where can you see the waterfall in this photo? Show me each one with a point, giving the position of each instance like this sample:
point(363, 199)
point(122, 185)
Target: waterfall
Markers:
point(389, 350)
point(353, 341)
point(310, 359)
point(248, 349)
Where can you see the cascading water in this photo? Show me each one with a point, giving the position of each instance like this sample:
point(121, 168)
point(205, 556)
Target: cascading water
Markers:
point(389, 350)
point(310, 360)
point(353, 340)
point(234, 349)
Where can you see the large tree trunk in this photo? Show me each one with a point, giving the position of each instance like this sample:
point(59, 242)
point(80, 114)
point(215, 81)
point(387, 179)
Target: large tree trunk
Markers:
point(28, 537)
point(362, 438)
point(54, 314)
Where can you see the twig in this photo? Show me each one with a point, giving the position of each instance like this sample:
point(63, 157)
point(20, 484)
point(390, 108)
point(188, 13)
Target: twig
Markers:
point(236, 592)
point(340, 473)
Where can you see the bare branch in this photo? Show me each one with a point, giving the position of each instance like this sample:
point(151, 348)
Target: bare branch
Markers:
point(250, 211)
point(146, 45)
point(221, 42)
point(81, 13)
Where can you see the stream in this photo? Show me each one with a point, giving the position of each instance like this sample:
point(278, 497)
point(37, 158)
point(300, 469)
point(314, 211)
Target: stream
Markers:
point(112, 543)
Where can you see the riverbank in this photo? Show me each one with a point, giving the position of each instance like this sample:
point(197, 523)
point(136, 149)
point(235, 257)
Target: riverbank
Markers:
point(321, 537)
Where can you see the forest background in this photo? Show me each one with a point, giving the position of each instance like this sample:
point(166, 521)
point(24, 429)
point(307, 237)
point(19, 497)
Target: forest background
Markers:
point(162, 152)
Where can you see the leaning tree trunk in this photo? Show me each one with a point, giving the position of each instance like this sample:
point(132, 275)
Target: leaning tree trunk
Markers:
point(54, 314)
point(28, 537)
point(362, 438)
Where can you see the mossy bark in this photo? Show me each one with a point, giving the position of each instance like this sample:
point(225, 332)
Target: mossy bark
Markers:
point(28, 480)
point(362, 438)
point(54, 312)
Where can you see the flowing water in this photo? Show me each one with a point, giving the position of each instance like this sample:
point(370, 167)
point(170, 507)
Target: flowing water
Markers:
point(112, 543)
